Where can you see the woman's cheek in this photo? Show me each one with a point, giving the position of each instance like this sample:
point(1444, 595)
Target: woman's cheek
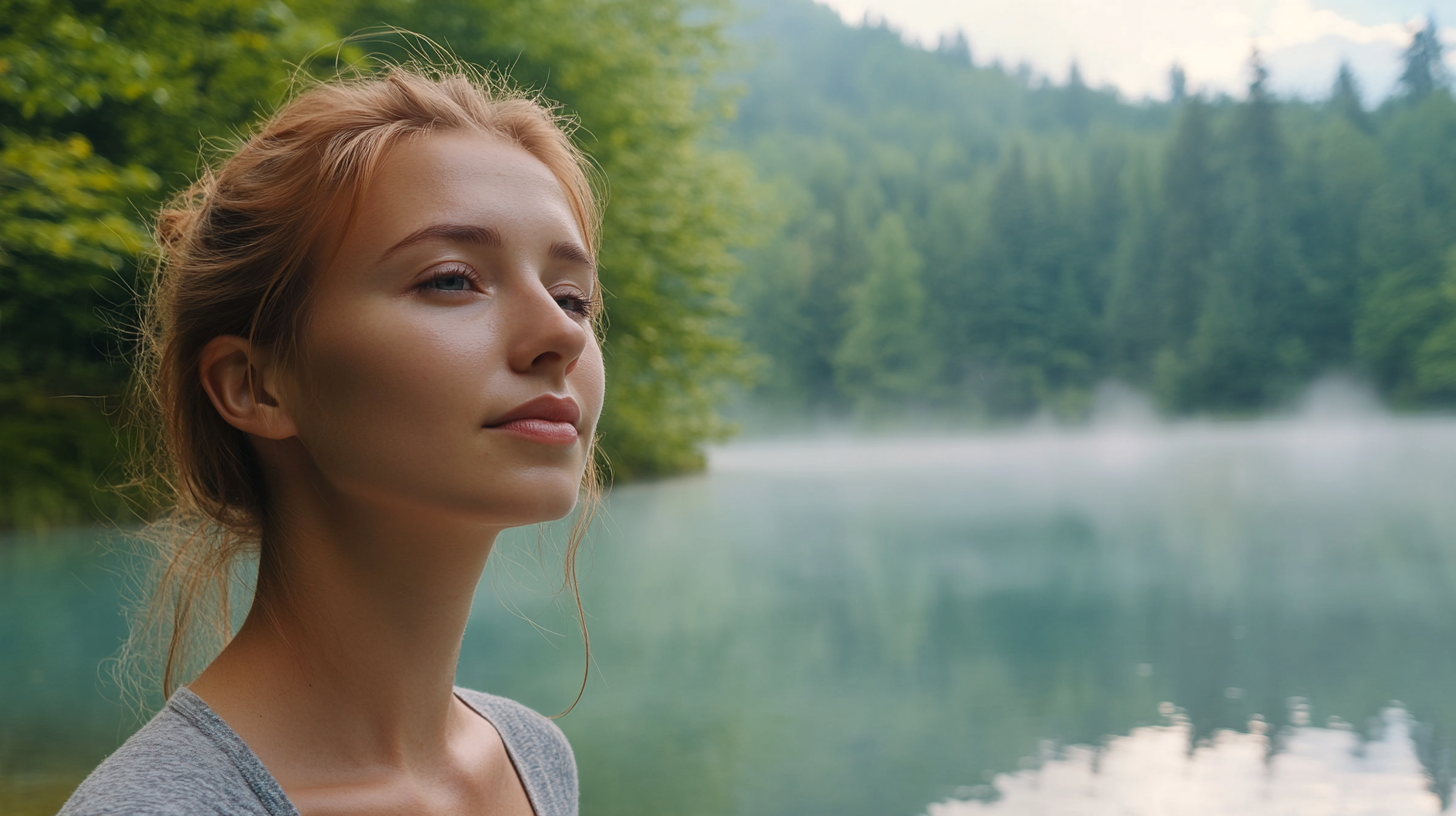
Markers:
point(379, 387)
point(592, 372)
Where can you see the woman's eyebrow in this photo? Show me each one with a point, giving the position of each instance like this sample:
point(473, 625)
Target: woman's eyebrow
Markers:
point(569, 251)
point(455, 233)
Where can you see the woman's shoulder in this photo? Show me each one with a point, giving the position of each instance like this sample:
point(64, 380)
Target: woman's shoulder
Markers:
point(540, 751)
point(181, 762)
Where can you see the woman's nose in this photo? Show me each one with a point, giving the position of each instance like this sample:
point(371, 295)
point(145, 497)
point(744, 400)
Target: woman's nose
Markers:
point(543, 334)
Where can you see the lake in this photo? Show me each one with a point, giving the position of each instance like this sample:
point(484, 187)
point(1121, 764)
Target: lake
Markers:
point(1196, 618)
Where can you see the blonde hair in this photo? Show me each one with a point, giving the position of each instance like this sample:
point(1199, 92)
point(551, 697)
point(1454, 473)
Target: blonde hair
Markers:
point(236, 252)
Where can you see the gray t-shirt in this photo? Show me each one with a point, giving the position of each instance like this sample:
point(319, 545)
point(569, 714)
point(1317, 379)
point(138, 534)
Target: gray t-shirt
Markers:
point(187, 762)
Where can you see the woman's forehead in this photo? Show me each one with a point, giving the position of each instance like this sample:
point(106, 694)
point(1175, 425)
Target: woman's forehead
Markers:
point(464, 178)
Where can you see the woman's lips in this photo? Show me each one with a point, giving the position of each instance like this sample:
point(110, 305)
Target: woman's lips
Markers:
point(540, 430)
point(547, 407)
point(548, 419)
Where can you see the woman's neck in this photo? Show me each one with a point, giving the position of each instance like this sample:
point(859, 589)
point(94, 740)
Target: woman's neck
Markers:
point(348, 655)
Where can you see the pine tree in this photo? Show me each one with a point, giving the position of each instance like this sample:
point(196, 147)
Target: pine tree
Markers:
point(1077, 103)
point(1405, 233)
point(1263, 246)
point(1177, 84)
point(886, 356)
point(1435, 360)
point(950, 273)
point(1004, 277)
point(1133, 326)
point(1424, 70)
point(1345, 100)
point(1249, 339)
point(1258, 133)
point(1332, 177)
point(955, 47)
point(1225, 359)
point(1193, 223)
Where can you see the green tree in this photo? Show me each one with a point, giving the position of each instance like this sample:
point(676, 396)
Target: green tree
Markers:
point(1193, 222)
point(951, 218)
point(885, 355)
point(955, 47)
point(1225, 363)
point(1076, 109)
point(1177, 84)
point(63, 240)
point(1405, 234)
point(1345, 100)
point(101, 110)
point(1134, 324)
point(803, 279)
point(1435, 359)
point(1012, 291)
point(1424, 71)
point(1250, 339)
point(1333, 177)
point(1163, 261)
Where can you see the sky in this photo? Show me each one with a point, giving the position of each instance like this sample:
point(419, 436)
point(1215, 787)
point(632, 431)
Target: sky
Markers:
point(1130, 44)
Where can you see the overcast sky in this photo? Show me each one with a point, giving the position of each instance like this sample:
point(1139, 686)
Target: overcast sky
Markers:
point(1130, 44)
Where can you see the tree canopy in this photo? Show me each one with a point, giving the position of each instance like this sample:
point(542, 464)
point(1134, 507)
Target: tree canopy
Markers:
point(1219, 252)
point(102, 111)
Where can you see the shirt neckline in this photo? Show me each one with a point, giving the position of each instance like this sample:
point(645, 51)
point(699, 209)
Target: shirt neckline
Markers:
point(262, 782)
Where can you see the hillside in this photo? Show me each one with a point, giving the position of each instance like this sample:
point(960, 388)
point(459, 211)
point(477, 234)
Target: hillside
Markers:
point(976, 239)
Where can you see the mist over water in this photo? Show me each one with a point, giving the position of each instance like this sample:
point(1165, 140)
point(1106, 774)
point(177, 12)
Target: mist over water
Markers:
point(1335, 443)
point(1234, 566)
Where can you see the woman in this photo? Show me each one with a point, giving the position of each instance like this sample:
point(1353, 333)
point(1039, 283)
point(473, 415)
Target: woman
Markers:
point(372, 348)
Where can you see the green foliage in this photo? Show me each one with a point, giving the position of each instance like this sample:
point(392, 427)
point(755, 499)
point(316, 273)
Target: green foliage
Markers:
point(1218, 253)
point(1345, 99)
point(101, 110)
point(885, 355)
point(1435, 359)
point(62, 239)
point(1405, 234)
point(1424, 70)
point(1247, 343)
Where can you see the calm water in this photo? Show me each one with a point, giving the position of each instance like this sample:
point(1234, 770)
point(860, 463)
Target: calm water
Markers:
point(1202, 619)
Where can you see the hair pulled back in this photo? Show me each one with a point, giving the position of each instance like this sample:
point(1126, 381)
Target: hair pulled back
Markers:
point(237, 255)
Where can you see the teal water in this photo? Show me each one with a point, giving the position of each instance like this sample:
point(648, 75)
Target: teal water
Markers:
point(1197, 618)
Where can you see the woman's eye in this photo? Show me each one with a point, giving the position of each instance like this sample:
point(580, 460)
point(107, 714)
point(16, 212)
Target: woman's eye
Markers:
point(450, 283)
point(450, 279)
point(576, 304)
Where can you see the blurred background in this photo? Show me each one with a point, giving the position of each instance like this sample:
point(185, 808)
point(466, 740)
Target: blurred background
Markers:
point(1034, 410)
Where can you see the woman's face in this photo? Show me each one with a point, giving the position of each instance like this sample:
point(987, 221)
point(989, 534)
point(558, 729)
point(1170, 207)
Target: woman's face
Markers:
point(449, 362)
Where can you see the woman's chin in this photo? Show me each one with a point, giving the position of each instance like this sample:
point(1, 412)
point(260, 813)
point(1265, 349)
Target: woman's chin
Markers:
point(518, 511)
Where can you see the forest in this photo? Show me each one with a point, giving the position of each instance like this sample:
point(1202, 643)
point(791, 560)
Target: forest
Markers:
point(820, 215)
point(972, 239)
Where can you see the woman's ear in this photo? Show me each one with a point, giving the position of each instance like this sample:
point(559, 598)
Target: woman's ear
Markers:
point(242, 384)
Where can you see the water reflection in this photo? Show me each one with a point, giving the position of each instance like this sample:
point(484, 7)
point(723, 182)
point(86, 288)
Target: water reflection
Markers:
point(1153, 772)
